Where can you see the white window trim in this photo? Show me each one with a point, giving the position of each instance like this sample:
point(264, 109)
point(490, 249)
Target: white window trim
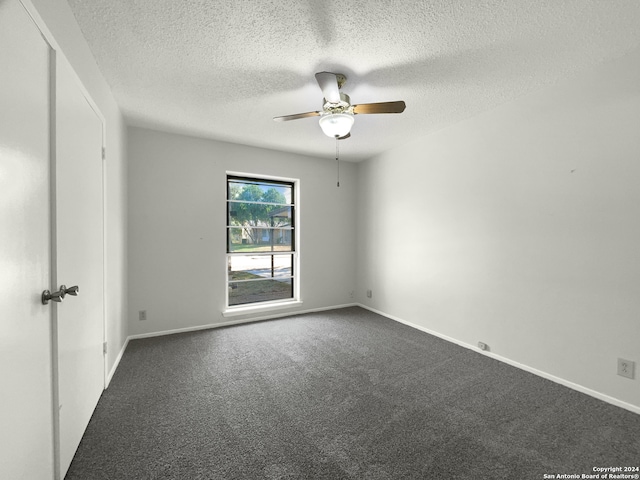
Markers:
point(244, 309)
point(260, 307)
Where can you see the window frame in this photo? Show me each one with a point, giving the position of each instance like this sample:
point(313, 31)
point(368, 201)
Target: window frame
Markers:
point(294, 184)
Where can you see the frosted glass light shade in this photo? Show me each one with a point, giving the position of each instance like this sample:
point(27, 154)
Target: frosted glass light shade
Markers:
point(336, 124)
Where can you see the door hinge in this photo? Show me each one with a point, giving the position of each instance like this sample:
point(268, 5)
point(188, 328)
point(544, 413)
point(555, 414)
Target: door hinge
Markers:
point(104, 348)
point(104, 153)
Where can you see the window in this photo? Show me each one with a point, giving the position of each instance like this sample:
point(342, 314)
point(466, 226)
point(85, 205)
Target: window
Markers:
point(261, 245)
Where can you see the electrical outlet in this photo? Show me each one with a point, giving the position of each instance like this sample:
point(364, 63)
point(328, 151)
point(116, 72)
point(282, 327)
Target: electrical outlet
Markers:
point(369, 294)
point(483, 346)
point(626, 368)
point(142, 315)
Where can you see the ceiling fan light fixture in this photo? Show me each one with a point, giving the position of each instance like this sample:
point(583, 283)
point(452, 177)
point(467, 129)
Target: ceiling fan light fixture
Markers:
point(336, 124)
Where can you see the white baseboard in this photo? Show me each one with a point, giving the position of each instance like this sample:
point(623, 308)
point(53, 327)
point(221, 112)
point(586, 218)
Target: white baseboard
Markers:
point(526, 368)
point(116, 363)
point(237, 322)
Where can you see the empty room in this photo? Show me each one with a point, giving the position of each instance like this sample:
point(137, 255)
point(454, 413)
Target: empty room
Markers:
point(309, 239)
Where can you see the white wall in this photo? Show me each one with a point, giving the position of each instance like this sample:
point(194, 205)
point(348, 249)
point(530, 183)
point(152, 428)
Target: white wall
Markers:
point(61, 24)
point(519, 228)
point(177, 227)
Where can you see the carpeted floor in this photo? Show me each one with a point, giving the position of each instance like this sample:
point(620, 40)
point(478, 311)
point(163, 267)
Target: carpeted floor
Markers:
point(344, 394)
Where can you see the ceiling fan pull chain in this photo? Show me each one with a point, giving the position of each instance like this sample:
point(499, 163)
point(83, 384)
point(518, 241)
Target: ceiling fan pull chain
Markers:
point(337, 161)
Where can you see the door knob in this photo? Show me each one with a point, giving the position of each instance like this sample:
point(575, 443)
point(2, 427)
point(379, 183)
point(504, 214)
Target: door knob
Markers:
point(60, 294)
point(55, 296)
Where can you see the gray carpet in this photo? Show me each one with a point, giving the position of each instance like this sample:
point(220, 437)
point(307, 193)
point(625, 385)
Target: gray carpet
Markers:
point(344, 394)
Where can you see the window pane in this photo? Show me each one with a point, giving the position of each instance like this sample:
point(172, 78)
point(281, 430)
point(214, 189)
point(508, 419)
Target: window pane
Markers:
point(260, 291)
point(259, 191)
point(259, 214)
point(261, 239)
point(257, 239)
point(243, 267)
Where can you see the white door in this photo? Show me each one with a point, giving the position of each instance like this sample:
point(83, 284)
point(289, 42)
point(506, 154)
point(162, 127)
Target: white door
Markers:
point(26, 414)
point(79, 259)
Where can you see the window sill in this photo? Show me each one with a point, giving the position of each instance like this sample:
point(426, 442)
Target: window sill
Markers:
point(245, 310)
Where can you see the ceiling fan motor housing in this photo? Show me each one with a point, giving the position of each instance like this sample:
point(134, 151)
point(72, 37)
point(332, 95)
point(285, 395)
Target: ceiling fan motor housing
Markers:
point(340, 107)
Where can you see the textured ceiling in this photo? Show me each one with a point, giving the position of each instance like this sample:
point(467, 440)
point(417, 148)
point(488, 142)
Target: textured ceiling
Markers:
point(223, 68)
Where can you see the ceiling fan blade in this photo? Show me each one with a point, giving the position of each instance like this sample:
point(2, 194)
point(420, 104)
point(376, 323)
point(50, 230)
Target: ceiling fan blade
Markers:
point(328, 83)
point(382, 107)
point(345, 137)
point(286, 118)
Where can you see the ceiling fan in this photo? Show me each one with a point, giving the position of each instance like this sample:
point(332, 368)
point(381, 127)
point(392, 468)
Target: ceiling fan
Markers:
point(336, 116)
